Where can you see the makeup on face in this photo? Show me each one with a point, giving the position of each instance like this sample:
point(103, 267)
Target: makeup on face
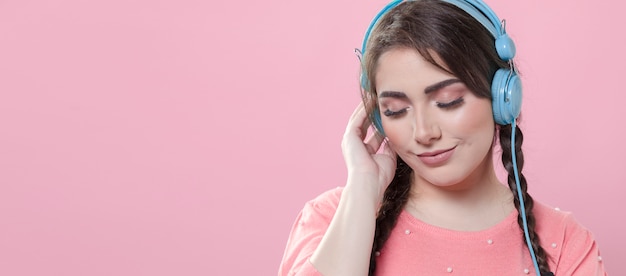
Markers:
point(432, 120)
point(444, 94)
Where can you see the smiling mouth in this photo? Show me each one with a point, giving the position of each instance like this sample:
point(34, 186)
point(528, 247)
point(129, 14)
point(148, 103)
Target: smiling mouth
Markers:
point(435, 153)
point(436, 158)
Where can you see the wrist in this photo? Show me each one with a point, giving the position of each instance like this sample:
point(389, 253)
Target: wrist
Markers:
point(364, 189)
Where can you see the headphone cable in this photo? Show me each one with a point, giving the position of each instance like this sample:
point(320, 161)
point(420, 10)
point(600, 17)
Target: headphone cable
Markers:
point(521, 200)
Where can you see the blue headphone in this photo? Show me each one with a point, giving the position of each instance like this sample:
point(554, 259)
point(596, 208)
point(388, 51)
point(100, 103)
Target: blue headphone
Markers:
point(506, 87)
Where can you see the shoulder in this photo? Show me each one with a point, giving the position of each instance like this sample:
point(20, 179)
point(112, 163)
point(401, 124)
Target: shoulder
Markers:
point(549, 218)
point(317, 213)
point(325, 203)
point(553, 222)
point(570, 245)
point(555, 227)
point(307, 232)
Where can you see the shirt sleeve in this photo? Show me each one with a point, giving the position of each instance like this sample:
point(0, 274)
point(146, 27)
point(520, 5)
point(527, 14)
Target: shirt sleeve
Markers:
point(306, 234)
point(580, 255)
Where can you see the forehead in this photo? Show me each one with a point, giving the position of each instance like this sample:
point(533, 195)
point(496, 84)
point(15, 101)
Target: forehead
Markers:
point(403, 69)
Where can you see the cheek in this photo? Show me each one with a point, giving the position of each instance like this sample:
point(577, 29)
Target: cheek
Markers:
point(476, 120)
point(399, 135)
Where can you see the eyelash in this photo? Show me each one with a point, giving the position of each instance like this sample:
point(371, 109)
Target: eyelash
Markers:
point(447, 105)
point(450, 104)
point(393, 114)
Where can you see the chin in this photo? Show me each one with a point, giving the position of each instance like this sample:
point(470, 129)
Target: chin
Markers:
point(447, 181)
point(442, 176)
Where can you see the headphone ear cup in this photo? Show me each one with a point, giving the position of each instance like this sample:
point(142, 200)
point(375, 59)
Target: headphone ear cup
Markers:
point(506, 96)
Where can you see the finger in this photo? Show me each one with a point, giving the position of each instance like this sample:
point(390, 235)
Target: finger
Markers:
point(358, 122)
point(353, 135)
point(357, 110)
point(374, 142)
point(387, 150)
point(366, 123)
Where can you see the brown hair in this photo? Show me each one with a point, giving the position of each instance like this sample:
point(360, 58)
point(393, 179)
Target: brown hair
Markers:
point(467, 49)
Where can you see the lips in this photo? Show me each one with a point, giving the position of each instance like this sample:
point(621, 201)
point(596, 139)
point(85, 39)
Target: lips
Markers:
point(437, 157)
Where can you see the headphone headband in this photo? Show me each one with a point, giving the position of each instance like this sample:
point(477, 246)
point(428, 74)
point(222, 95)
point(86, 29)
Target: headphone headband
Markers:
point(478, 10)
point(382, 12)
point(485, 16)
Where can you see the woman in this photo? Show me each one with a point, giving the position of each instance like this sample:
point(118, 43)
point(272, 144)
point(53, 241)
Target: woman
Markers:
point(422, 197)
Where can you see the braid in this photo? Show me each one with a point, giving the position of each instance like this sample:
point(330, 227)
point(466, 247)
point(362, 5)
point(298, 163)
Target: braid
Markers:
point(394, 199)
point(505, 143)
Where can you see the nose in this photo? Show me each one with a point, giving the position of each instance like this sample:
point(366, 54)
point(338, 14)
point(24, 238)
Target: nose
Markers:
point(425, 129)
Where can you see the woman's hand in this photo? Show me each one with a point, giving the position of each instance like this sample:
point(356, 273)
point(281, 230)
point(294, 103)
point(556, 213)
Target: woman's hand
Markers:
point(365, 165)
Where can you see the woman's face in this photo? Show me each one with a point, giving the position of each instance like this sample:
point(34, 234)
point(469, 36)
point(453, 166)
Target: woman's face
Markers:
point(432, 120)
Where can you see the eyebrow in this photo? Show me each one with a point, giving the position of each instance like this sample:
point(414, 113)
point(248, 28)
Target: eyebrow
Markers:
point(392, 94)
point(429, 89)
point(434, 87)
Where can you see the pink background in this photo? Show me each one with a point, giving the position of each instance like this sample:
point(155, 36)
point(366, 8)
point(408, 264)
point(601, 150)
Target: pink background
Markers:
point(182, 137)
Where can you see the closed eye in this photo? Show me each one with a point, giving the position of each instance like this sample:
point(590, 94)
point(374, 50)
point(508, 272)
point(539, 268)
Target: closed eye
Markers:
point(393, 114)
point(450, 104)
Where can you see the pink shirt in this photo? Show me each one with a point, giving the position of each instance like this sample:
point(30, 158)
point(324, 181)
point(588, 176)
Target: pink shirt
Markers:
point(417, 248)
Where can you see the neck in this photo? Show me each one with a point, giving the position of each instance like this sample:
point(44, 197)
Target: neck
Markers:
point(478, 202)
